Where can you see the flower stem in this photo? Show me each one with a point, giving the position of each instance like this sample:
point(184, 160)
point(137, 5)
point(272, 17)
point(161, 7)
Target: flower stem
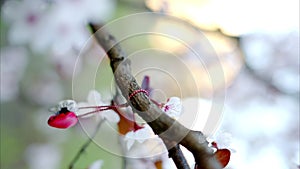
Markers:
point(85, 145)
point(101, 108)
point(156, 103)
point(107, 106)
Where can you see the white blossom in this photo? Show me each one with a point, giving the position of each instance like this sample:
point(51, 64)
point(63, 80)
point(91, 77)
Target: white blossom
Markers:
point(146, 154)
point(26, 18)
point(223, 140)
point(67, 64)
point(46, 156)
point(44, 89)
point(94, 99)
point(58, 26)
point(173, 107)
point(13, 63)
point(139, 135)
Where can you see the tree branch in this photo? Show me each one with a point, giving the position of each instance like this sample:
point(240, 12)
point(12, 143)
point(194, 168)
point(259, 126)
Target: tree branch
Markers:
point(162, 124)
point(176, 154)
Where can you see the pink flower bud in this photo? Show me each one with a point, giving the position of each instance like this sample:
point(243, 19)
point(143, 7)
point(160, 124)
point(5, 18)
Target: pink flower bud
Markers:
point(63, 120)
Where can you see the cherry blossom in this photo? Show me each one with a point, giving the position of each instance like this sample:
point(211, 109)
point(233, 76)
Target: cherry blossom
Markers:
point(146, 150)
point(67, 112)
point(26, 18)
point(68, 67)
point(65, 116)
point(58, 26)
point(94, 99)
point(140, 136)
point(221, 142)
point(173, 107)
point(150, 154)
point(44, 88)
point(13, 64)
point(66, 30)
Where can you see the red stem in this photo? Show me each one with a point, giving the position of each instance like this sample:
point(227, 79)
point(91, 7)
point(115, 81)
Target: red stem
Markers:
point(101, 108)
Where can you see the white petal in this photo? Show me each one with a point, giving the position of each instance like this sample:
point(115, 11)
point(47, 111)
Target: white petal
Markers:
point(71, 105)
point(174, 107)
point(140, 136)
point(143, 134)
point(83, 111)
point(173, 100)
point(96, 165)
point(130, 143)
point(94, 98)
point(110, 116)
point(129, 135)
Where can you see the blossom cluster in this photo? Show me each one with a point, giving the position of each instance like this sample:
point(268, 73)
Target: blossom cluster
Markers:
point(67, 112)
point(137, 138)
point(56, 25)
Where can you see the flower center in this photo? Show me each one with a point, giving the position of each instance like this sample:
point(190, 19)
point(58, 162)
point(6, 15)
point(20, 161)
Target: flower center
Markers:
point(167, 107)
point(63, 110)
point(31, 19)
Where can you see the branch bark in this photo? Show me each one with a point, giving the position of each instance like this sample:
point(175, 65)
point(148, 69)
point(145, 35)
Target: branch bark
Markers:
point(176, 154)
point(164, 126)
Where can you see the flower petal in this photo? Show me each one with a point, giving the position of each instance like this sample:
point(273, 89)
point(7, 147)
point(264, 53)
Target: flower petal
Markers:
point(110, 116)
point(63, 120)
point(129, 138)
point(94, 98)
point(69, 104)
point(173, 107)
point(146, 84)
point(130, 143)
point(84, 111)
point(223, 156)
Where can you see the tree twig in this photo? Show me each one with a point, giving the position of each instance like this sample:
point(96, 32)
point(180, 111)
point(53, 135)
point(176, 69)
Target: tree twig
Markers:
point(176, 154)
point(85, 145)
point(162, 124)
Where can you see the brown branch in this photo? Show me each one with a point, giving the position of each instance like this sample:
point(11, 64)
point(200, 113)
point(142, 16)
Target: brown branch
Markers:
point(162, 124)
point(176, 154)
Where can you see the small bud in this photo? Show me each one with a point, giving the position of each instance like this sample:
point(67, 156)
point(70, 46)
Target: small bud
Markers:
point(63, 120)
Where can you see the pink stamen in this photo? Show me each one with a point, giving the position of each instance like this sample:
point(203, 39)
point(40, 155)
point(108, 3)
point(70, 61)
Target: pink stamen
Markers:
point(166, 108)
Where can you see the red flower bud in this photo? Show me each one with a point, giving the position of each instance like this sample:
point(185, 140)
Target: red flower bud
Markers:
point(63, 120)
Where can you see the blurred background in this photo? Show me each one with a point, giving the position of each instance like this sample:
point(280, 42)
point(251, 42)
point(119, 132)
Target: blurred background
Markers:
point(46, 57)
